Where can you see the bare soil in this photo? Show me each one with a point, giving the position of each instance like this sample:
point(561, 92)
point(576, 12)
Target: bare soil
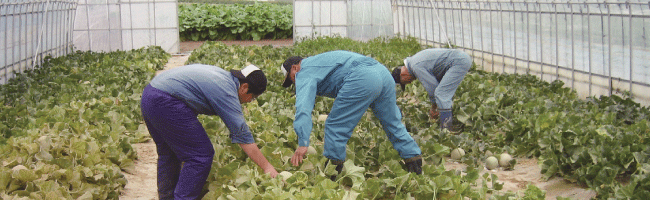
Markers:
point(527, 172)
point(142, 184)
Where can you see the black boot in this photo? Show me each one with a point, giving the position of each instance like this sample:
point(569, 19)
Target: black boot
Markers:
point(446, 119)
point(339, 168)
point(414, 164)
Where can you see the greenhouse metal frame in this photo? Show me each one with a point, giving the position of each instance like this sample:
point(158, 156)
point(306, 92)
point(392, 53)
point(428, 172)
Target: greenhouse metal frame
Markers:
point(596, 47)
point(31, 30)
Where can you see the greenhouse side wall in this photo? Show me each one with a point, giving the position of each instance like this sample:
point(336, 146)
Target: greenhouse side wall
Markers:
point(109, 25)
point(596, 47)
point(357, 19)
point(30, 30)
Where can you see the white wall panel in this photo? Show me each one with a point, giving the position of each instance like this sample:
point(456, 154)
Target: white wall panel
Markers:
point(358, 19)
point(127, 24)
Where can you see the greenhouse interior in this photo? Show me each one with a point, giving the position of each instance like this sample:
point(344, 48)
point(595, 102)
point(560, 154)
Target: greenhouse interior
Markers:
point(551, 100)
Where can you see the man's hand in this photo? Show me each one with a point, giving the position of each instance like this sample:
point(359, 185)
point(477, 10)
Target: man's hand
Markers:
point(296, 159)
point(433, 112)
point(256, 155)
point(272, 172)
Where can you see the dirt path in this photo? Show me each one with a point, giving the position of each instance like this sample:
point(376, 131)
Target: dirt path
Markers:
point(142, 184)
point(526, 172)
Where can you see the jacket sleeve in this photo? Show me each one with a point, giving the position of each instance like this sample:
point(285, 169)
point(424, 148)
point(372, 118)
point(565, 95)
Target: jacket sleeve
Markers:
point(305, 99)
point(226, 105)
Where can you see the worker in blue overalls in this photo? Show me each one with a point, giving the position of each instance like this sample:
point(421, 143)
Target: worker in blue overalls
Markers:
point(170, 105)
point(356, 82)
point(440, 71)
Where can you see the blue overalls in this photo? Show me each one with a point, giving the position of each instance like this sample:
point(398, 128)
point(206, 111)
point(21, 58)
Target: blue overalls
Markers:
point(356, 82)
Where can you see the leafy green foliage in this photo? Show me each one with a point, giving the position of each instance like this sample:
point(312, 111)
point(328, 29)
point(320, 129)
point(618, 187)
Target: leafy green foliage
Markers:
point(594, 142)
point(589, 141)
point(235, 21)
point(373, 169)
point(285, 2)
point(69, 124)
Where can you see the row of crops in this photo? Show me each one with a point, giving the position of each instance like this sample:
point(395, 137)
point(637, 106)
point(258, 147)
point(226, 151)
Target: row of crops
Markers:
point(198, 22)
point(286, 2)
point(69, 125)
point(601, 142)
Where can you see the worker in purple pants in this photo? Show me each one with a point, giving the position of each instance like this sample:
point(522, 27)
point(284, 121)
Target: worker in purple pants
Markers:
point(170, 105)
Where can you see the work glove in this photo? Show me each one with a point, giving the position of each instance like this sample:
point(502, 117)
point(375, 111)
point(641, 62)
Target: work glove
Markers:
point(339, 168)
point(414, 164)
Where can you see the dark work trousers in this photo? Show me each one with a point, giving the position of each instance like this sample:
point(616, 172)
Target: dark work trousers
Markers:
point(184, 150)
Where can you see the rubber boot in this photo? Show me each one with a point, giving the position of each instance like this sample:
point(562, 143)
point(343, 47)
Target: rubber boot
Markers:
point(414, 164)
point(446, 119)
point(339, 168)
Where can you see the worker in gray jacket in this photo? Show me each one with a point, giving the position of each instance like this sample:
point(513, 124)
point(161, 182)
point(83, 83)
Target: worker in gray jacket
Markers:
point(170, 105)
point(440, 71)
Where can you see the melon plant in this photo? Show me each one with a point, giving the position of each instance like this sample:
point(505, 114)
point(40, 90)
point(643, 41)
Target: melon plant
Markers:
point(87, 105)
point(68, 125)
point(371, 161)
point(522, 113)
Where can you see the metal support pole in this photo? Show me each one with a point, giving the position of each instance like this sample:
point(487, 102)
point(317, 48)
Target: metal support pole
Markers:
point(447, 38)
point(573, 42)
point(20, 38)
point(527, 37)
point(480, 17)
point(453, 24)
point(503, 41)
point(609, 49)
point(403, 22)
point(629, 8)
point(6, 47)
point(462, 24)
point(131, 25)
point(471, 30)
point(407, 25)
point(419, 22)
point(557, 44)
point(589, 43)
point(491, 36)
point(541, 41)
point(423, 17)
point(514, 30)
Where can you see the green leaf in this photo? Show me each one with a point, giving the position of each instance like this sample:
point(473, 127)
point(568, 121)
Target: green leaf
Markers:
point(353, 173)
point(24, 175)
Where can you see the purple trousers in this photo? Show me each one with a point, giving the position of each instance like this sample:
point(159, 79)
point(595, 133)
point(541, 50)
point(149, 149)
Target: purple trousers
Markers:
point(184, 150)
